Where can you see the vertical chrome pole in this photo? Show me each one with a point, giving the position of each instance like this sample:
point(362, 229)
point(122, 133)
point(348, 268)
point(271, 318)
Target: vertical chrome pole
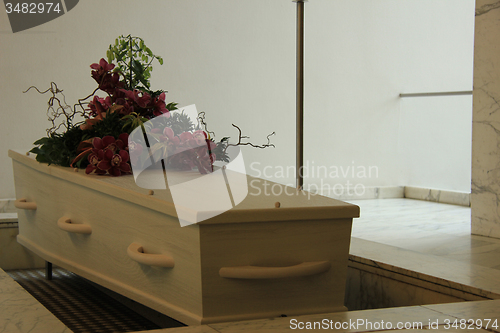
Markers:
point(300, 95)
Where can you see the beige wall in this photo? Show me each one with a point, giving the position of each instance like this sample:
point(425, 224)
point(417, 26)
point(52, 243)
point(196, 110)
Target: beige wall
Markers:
point(485, 198)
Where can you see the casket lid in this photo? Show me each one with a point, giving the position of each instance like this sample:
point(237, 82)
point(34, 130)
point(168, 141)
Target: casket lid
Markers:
point(258, 206)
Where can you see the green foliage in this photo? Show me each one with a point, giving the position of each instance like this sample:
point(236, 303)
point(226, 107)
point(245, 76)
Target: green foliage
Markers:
point(179, 122)
point(58, 148)
point(132, 121)
point(220, 150)
point(61, 149)
point(112, 125)
point(133, 60)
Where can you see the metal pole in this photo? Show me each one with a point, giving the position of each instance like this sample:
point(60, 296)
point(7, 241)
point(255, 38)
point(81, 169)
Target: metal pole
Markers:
point(443, 93)
point(300, 94)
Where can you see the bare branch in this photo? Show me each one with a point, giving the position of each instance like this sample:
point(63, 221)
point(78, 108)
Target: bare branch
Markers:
point(241, 137)
point(201, 119)
point(57, 108)
point(83, 100)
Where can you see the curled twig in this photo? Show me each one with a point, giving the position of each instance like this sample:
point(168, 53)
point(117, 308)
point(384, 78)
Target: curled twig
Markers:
point(241, 137)
point(80, 100)
point(201, 120)
point(61, 108)
point(53, 88)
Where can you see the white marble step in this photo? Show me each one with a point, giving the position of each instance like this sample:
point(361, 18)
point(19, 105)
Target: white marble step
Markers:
point(22, 313)
point(464, 279)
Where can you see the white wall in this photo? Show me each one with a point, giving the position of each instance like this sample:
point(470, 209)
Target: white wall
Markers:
point(375, 50)
point(435, 142)
point(236, 61)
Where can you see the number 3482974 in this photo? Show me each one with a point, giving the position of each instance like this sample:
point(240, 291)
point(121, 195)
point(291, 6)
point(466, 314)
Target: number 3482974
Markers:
point(32, 8)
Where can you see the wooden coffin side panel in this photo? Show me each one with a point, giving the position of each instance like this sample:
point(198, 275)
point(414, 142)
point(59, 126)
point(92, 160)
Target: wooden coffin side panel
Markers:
point(274, 244)
point(102, 255)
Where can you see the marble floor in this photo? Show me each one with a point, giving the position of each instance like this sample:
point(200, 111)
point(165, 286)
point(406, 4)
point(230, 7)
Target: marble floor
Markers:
point(20, 312)
point(425, 227)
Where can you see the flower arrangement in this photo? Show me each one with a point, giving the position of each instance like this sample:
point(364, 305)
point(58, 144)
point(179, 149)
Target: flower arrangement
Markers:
point(100, 142)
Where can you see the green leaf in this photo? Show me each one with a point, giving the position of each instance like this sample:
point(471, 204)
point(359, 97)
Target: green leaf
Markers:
point(144, 82)
point(42, 159)
point(172, 106)
point(137, 66)
point(41, 141)
point(36, 150)
point(110, 56)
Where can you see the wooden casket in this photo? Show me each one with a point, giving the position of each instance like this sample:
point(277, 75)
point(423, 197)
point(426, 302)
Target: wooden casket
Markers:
point(256, 260)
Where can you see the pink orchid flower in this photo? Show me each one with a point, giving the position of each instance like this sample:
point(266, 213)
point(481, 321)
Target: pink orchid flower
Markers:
point(115, 164)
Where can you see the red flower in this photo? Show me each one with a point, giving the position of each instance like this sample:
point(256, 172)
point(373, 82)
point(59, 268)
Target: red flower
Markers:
point(110, 82)
point(205, 157)
point(115, 164)
point(142, 99)
point(160, 105)
point(187, 140)
point(94, 159)
point(102, 66)
point(98, 106)
point(168, 133)
point(109, 143)
point(182, 161)
point(107, 81)
point(109, 155)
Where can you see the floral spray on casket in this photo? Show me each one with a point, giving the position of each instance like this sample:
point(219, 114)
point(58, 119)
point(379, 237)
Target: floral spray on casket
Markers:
point(131, 129)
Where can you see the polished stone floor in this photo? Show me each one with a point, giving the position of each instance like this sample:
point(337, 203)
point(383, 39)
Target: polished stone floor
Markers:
point(425, 227)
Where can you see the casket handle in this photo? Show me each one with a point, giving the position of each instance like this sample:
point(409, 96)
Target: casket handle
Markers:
point(136, 252)
point(258, 272)
point(22, 204)
point(65, 224)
